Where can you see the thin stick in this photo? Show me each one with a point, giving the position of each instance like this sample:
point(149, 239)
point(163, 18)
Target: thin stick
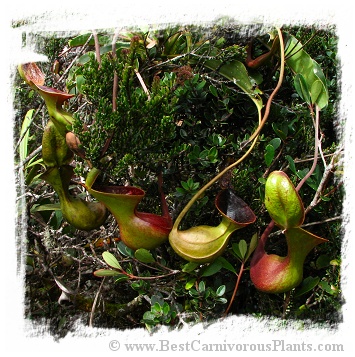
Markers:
point(74, 60)
point(115, 76)
point(29, 157)
point(97, 48)
point(316, 146)
point(235, 288)
point(336, 218)
point(114, 92)
point(94, 303)
point(326, 173)
point(146, 91)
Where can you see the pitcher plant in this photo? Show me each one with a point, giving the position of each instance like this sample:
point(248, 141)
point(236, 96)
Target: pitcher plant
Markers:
point(54, 98)
point(137, 229)
point(203, 244)
point(59, 145)
point(80, 214)
point(270, 272)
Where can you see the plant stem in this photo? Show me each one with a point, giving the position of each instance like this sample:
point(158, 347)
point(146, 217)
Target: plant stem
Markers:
point(97, 48)
point(253, 138)
point(115, 76)
point(328, 169)
point(268, 104)
point(134, 277)
point(241, 270)
point(315, 157)
point(286, 303)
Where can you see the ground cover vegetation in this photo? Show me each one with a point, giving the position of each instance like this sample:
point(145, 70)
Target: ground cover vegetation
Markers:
point(223, 142)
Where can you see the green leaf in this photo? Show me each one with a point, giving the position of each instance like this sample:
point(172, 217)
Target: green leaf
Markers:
point(211, 268)
point(189, 267)
point(106, 272)
point(323, 261)
point(221, 290)
point(243, 248)
point(33, 162)
point(276, 142)
point(225, 264)
point(190, 283)
point(166, 308)
point(291, 164)
point(156, 308)
point(24, 134)
point(85, 58)
point(236, 72)
point(81, 40)
point(253, 244)
point(318, 94)
point(144, 256)
point(45, 207)
point(120, 278)
point(307, 285)
point(305, 67)
point(213, 90)
point(157, 299)
point(269, 154)
point(34, 173)
point(302, 88)
point(80, 80)
point(328, 288)
point(149, 318)
point(236, 251)
point(200, 85)
point(201, 287)
point(280, 131)
point(185, 185)
point(124, 250)
point(262, 180)
point(111, 260)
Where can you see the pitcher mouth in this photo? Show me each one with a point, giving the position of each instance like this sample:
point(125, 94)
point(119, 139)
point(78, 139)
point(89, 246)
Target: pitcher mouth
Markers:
point(233, 207)
point(119, 190)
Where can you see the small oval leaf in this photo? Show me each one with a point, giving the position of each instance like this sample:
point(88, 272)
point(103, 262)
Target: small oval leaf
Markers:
point(106, 272)
point(225, 264)
point(252, 245)
point(111, 260)
point(269, 154)
point(243, 248)
point(189, 284)
point(189, 267)
point(124, 250)
point(221, 290)
point(307, 285)
point(144, 256)
point(212, 268)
